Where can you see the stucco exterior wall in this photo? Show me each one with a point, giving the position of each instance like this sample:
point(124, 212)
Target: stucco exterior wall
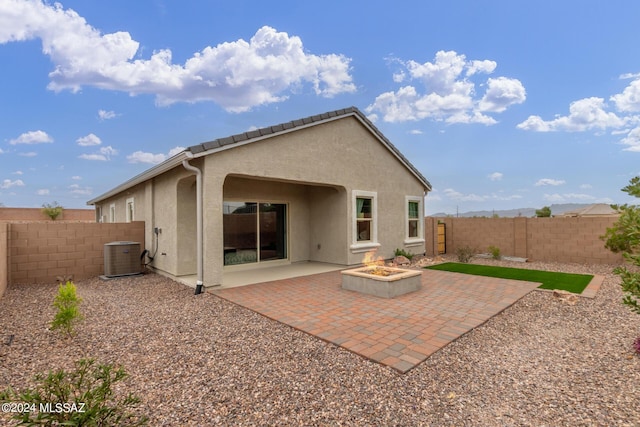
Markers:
point(338, 154)
point(314, 170)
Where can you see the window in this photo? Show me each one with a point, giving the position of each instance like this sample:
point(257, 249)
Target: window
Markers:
point(413, 221)
point(414, 208)
point(112, 213)
point(130, 210)
point(365, 221)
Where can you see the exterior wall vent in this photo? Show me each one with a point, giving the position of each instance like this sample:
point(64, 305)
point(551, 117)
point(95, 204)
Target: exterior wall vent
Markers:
point(122, 259)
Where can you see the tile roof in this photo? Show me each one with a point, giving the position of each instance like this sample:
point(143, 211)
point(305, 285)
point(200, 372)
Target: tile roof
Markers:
point(246, 137)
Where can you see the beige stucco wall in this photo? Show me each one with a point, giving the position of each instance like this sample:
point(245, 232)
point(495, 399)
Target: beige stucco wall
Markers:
point(314, 170)
point(341, 154)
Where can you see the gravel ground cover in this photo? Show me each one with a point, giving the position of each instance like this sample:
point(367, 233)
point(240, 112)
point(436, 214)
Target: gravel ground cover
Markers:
point(199, 360)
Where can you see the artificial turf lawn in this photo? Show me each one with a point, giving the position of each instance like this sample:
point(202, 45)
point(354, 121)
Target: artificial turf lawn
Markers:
point(550, 280)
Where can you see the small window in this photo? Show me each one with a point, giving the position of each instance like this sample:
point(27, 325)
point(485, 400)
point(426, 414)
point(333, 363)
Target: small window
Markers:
point(130, 210)
point(414, 218)
point(112, 213)
point(364, 219)
point(413, 221)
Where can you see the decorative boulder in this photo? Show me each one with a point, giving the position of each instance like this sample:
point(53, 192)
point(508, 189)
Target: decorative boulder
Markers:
point(401, 260)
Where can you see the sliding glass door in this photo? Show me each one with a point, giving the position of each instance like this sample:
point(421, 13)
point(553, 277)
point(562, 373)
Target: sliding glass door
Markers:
point(254, 232)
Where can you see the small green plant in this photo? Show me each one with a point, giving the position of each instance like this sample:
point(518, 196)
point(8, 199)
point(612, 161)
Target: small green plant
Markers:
point(82, 397)
point(495, 252)
point(52, 210)
point(67, 302)
point(402, 252)
point(465, 253)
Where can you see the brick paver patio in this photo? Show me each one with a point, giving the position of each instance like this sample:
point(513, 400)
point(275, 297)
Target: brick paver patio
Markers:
point(400, 332)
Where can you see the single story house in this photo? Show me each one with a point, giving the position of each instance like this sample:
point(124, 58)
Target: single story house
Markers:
point(326, 188)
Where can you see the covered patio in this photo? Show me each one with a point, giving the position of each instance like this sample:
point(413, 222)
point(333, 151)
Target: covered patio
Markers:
point(400, 332)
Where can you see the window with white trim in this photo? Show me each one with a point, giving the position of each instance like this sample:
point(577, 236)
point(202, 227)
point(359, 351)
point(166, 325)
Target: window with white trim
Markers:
point(413, 220)
point(112, 212)
point(130, 210)
point(365, 221)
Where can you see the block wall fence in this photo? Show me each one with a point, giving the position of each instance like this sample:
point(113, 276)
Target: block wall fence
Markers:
point(36, 214)
point(573, 240)
point(38, 252)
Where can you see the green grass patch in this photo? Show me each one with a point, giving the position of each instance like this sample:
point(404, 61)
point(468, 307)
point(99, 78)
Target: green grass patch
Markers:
point(574, 283)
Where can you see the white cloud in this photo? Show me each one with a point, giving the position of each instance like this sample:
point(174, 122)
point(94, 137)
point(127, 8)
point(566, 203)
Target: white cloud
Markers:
point(28, 154)
point(237, 75)
point(43, 192)
point(586, 186)
point(143, 157)
point(448, 94)
point(629, 100)
point(104, 154)
point(2, 151)
point(567, 197)
point(415, 132)
point(32, 137)
point(77, 190)
point(7, 183)
point(76, 178)
point(455, 195)
point(89, 140)
point(549, 181)
point(501, 94)
point(584, 114)
point(106, 115)
point(496, 176)
point(18, 173)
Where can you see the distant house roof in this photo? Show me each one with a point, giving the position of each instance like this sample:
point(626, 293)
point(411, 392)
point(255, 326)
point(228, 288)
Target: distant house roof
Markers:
point(597, 209)
point(232, 141)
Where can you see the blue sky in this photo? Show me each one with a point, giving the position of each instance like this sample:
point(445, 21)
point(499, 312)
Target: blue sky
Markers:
point(500, 104)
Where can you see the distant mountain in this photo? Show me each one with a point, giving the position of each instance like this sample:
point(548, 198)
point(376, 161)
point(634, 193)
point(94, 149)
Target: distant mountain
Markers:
point(556, 209)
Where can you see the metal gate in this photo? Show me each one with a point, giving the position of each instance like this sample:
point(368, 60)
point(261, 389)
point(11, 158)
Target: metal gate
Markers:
point(442, 240)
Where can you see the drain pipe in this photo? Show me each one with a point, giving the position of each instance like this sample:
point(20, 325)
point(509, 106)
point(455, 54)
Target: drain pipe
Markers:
point(199, 228)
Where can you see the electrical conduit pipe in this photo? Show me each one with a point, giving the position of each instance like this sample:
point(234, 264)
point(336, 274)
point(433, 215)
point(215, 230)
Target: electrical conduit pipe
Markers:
point(199, 228)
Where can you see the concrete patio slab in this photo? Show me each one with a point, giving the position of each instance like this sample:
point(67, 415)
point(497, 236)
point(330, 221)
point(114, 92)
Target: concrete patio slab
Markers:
point(400, 332)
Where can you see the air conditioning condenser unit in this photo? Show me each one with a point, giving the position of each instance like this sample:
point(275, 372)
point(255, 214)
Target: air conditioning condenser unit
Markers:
point(122, 259)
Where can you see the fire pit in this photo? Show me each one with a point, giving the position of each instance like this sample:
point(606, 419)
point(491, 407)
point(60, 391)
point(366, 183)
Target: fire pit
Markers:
point(382, 281)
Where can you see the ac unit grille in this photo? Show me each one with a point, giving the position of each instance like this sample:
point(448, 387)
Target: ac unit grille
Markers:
point(122, 259)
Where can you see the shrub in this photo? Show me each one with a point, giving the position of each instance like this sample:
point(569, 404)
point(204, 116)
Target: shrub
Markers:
point(67, 303)
point(83, 397)
point(402, 252)
point(495, 252)
point(465, 254)
point(52, 210)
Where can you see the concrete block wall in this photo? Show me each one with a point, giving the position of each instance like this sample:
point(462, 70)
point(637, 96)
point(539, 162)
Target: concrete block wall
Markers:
point(575, 240)
point(4, 267)
point(36, 214)
point(41, 251)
